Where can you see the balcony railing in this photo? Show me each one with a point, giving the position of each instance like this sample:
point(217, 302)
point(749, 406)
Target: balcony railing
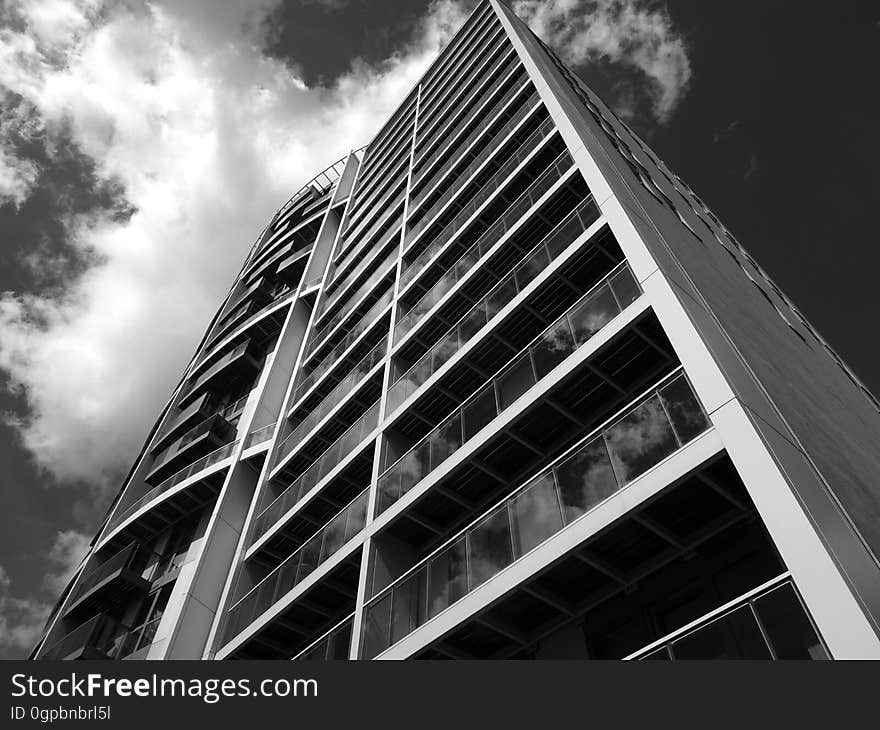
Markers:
point(386, 267)
point(475, 252)
point(342, 389)
point(438, 103)
point(312, 476)
point(98, 638)
point(353, 275)
point(363, 324)
point(259, 436)
point(206, 461)
point(130, 560)
point(319, 548)
point(498, 180)
point(424, 185)
point(503, 65)
point(532, 264)
point(656, 426)
point(334, 645)
point(393, 230)
point(528, 145)
point(570, 332)
point(383, 219)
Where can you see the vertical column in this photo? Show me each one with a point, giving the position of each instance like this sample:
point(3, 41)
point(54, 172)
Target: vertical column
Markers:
point(357, 623)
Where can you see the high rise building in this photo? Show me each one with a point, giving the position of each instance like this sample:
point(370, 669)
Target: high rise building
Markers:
point(498, 385)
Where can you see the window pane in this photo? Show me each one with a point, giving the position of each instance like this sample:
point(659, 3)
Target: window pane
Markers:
point(535, 514)
point(531, 267)
point(334, 536)
point(357, 517)
point(625, 287)
point(407, 608)
point(340, 643)
point(788, 626)
point(447, 577)
point(445, 349)
point(479, 411)
point(309, 558)
point(640, 440)
point(377, 627)
point(684, 409)
point(445, 441)
point(515, 381)
point(554, 346)
point(734, 636)
point(585, 479)
point(489, 547)
point(472, 324)
point(593, 314)
point(496, 301)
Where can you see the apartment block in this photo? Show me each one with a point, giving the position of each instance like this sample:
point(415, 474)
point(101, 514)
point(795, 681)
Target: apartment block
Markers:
point(497, 385)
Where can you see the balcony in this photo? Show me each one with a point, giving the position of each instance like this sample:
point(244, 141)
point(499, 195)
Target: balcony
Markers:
point(158, 519)
point(585, 318)
point(322, 546)
point(647, 432)
point(111, 583)
point(321, 468)
point(242, 360)
point(98, 638)
point(210, 434)
point(291, 267)
point(333, 646)
point(203, 407)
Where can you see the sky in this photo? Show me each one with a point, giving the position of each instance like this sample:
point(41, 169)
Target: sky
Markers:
point(143, 146)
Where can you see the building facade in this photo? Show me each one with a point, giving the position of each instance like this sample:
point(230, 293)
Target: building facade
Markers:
point(498, 385)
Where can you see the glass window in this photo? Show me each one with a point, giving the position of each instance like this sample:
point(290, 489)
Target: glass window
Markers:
point(535, 514)
point(554, 346)
point(496, 301)
point(515, 381)
point(473, 322)
point(640, 440)
point(479, 411)
point(489, 547)
point(445, 441)
point(356, 517)
point(585, 479)
point(593, 314)
point(447, 577)
point(733, 636)
point(340, 643)
point(377, 627)
point(531, 267)
point(334, 536)
point(408, 605)
point(625, 287)
point(788, 627)
point(684, 410)
point(309, 557)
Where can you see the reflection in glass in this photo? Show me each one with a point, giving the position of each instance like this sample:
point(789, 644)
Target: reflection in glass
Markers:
point(585, 478)
point(515, 381)
point(535, 515)
point(640, 440)
point(554, 346)
point(479, 411)
point(447, 577)
point(489, 547)
point(788, 627)
point(733, 636)
point(684, 410)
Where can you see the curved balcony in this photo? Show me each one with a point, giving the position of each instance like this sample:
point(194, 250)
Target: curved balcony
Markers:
point(206, 462)
point(242, 358)
point(98, 638)
point(112, 582)
point(647, 432)
point(213, 432)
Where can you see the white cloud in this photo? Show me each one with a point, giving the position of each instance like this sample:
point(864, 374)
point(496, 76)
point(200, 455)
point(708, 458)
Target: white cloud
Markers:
point(635, 33)
point(22, 619)
point(175, 102)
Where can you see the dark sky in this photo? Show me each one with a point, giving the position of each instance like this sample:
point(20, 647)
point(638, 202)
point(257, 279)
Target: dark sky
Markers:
point(777, 134)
